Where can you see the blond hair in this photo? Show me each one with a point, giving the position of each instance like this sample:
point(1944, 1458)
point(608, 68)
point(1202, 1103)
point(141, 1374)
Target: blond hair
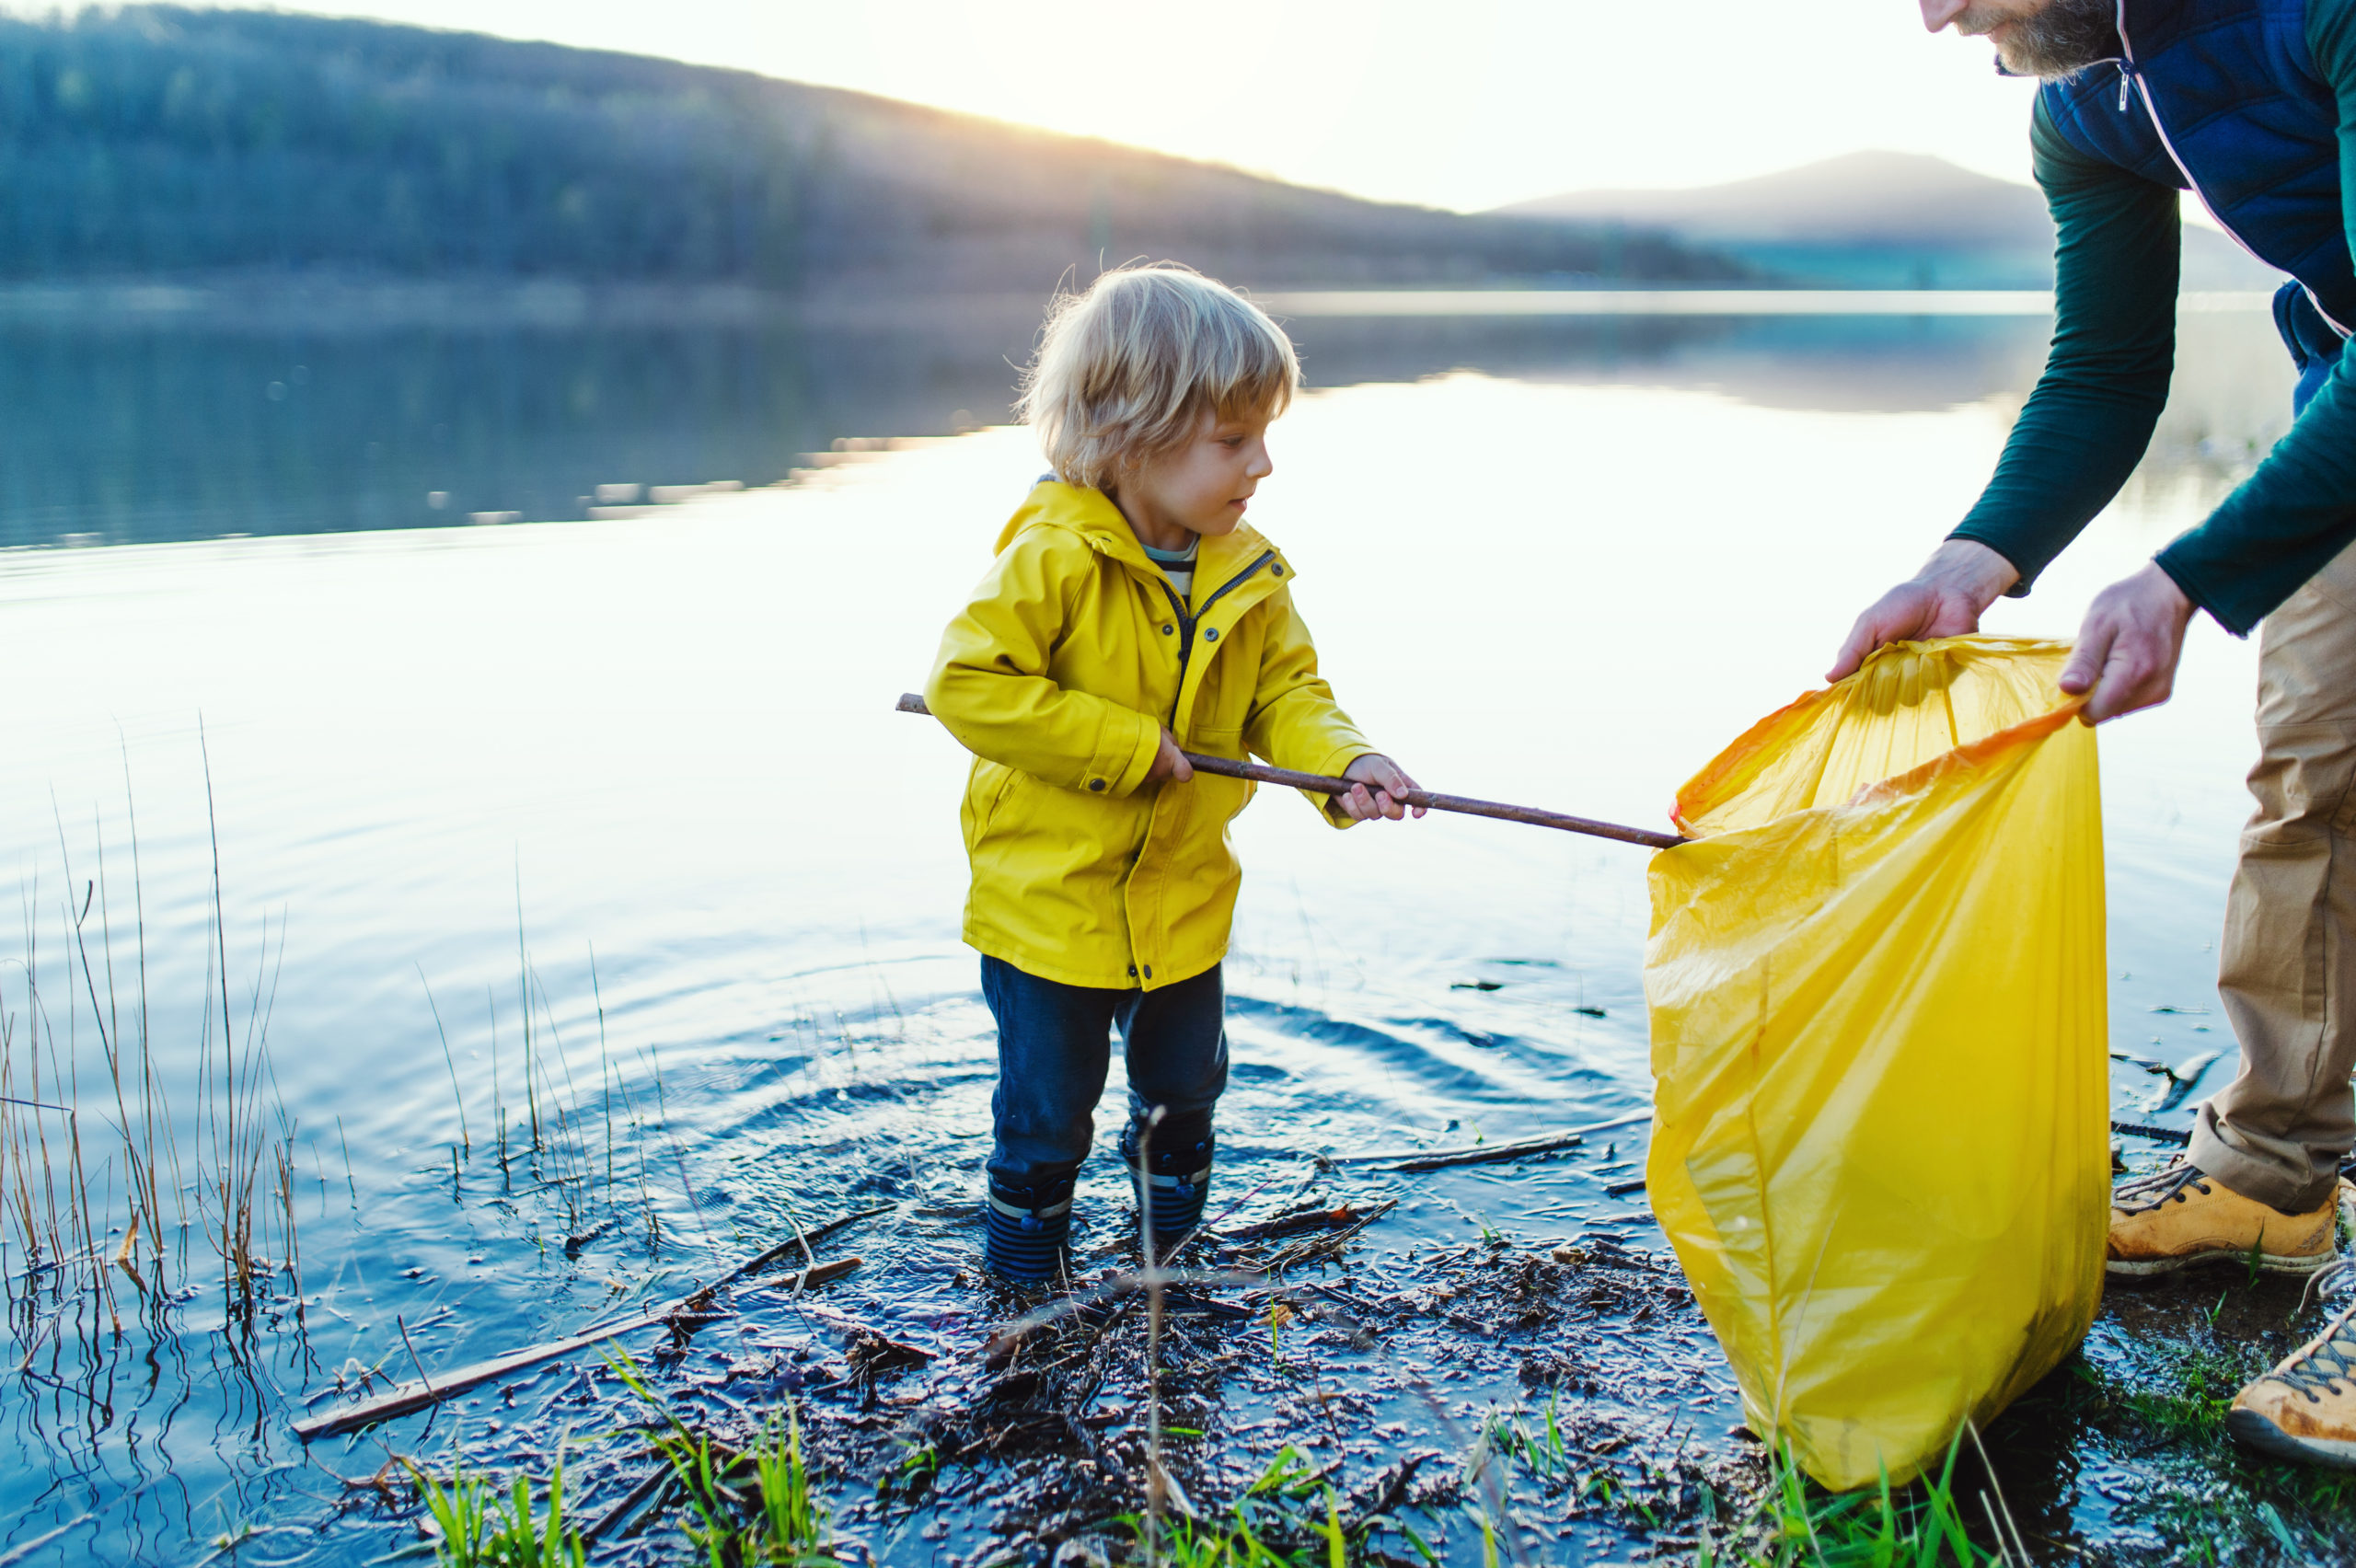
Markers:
point(1126, 370)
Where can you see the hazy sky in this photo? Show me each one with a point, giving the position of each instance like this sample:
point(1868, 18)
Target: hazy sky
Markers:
point(1468, 104)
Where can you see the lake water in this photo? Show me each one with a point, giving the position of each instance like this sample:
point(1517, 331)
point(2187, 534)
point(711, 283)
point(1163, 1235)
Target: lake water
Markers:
point(633, 768)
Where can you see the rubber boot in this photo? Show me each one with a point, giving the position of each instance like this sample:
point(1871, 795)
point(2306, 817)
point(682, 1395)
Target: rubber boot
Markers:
point(1180, 1178)
point(1027, 1229)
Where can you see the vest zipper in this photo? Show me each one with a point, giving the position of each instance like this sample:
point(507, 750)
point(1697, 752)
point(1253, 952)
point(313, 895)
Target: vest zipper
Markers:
point(2128, 72)
point(1186, 622)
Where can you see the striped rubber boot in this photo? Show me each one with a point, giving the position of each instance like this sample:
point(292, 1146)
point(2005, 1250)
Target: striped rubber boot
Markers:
point(1026, 1229)
point(1180, 1179)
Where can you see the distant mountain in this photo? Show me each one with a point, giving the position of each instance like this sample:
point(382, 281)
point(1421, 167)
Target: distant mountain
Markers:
point(156, 141)
point(1879, 220)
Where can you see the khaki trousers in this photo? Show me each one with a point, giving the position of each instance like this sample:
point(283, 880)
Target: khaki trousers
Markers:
point(2287, 967)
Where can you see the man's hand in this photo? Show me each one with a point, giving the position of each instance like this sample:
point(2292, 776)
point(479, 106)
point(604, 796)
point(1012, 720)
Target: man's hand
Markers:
point(1169, 762)
point(1962, 578)
point(2129, 645)
point(1379, 784)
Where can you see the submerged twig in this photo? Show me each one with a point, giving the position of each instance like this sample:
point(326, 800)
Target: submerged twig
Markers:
point(409, 1397)
point(800, 1243)
point(636, 1500)
point(1411, 1159)
point(1298, 1224)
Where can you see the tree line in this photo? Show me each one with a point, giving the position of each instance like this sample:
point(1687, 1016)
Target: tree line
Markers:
point(157, 141)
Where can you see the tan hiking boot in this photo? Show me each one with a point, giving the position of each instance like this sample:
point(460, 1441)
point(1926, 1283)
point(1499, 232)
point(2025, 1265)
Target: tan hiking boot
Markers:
point(2177, 1215)
point(2305, 1409)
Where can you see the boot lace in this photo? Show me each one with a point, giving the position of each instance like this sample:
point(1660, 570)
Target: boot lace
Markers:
point(2141, 1194)
point(2322, 1366)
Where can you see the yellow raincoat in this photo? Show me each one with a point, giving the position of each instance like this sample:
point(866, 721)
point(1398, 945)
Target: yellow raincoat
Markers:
point(1058, 676)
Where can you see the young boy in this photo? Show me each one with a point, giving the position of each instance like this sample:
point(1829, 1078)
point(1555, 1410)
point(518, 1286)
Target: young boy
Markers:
point(1131, 614)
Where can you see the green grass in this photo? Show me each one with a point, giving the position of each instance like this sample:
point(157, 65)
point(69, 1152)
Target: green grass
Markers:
point(1240, 1541)
point(1288, 1518)
point(755, 1504)
point(1794, 1523)
point(1643, 1494)
point(791, 1525)
point(483, 1527)
point(2209, 1499)
point(907, 1481)
point(1544, 1453)
point(2188, 1396)
point(1790, 1522)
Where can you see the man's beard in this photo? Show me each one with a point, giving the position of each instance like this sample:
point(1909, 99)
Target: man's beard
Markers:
point(2057, 43)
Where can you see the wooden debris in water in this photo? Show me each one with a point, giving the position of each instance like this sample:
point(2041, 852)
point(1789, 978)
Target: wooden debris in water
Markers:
point(1323, 1244)
point(2157, 1135)
point(1410, 1160)
point(802, 1240)
point(637, 1500)
point(1296, 1224)
point(693, 1310)
point(408, 1396)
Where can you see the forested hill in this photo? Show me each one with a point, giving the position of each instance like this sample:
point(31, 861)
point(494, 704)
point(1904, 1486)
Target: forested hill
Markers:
point(160, 142)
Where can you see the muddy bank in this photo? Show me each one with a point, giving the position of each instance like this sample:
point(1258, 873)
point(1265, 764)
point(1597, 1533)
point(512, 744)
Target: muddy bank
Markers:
point(1347, 1356)
point(1468, 1396)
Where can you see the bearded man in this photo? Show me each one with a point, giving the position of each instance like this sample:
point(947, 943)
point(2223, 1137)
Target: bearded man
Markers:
point(2250, 104)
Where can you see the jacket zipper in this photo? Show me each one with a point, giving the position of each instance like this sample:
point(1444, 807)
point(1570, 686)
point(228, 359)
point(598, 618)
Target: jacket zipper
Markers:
point(1187, 623)
point(2126, 73)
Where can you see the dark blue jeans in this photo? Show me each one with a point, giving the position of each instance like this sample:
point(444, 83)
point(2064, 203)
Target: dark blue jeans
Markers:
point(1054, 1048)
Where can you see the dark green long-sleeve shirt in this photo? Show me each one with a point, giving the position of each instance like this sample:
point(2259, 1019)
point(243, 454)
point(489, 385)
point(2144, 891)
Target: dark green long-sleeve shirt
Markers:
point(2087, 425)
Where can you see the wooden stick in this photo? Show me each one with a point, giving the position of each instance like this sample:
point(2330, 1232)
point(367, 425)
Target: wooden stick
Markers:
point(1300, 1224)
point(2157, 1135)
point(408, 1396)
point(800, 1239)
point(635, 1499)
point(1485, 1154)
point(1465, 805)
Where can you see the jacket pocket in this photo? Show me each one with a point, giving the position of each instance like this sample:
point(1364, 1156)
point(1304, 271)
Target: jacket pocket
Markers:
point(1216, 741)
point(1219, 797)
point(985, 795)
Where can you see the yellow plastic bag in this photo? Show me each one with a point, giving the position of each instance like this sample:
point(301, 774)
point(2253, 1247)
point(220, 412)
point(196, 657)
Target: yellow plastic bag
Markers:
point(1879, 1027)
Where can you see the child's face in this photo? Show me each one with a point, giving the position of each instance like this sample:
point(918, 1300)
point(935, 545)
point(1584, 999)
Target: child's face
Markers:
point(1201, 486)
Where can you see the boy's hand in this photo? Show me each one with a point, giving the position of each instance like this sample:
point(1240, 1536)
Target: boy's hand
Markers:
point(1379, 785)
point(1169, 762)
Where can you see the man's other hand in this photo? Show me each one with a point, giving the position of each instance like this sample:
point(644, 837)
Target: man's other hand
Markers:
point(1962, 578)
point(1380, 783)
point(2129, 645)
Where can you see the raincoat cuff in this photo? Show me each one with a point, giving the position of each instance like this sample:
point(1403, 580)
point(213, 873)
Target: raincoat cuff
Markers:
point(1336, 761)
point(1125, 751)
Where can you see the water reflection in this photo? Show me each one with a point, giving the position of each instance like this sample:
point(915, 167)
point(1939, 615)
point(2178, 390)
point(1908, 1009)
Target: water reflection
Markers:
point(158, 431)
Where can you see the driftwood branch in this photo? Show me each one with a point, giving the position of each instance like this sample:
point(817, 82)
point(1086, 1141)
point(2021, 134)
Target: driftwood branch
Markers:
point(406, 1397)
point(1465, 805)
point(1328, 1244)
point(2157, 1135)
point(755, 1264)
point(1299, 1224)
point(1485, 1154)
point(633, 1502)
point(1004, 1338)
point(1388, 1492)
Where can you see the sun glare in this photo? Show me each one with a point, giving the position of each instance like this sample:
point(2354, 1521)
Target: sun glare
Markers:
point(1486, 102)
